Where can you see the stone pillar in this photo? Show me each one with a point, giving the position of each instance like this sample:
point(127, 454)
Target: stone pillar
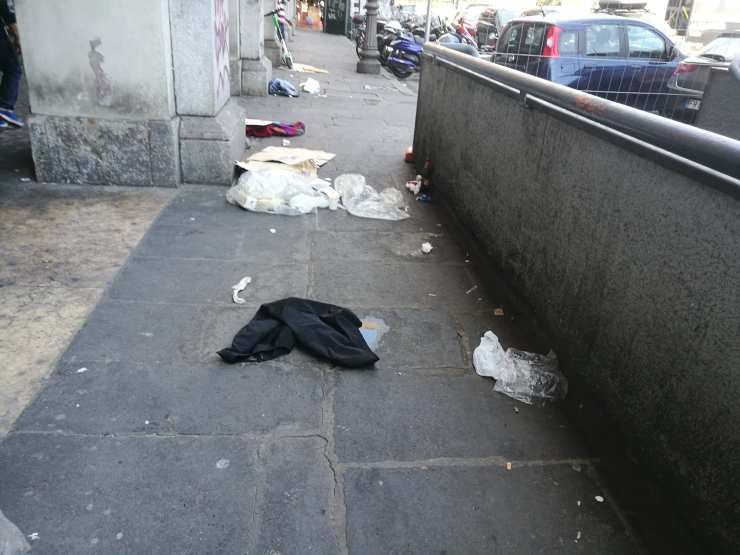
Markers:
point(235, 59)
point(212, 123)
point(100, 84)
point(256, 68)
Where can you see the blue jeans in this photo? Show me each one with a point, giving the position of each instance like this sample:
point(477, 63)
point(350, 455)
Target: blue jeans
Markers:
point(11, 70)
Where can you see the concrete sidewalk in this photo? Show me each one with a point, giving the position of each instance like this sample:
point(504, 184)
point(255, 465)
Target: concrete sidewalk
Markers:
point(158, 447)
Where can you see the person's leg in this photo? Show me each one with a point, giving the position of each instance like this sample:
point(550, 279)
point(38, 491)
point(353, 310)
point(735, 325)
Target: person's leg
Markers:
point(10, 82)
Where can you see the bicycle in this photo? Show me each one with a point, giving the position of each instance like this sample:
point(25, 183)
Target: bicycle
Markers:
point(286, 58)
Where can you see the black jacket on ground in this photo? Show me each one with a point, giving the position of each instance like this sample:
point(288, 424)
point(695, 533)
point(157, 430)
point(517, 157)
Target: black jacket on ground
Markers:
point(327, 331)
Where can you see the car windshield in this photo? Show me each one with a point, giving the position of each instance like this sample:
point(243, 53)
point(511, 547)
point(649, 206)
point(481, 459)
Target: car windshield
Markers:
point(725, 49)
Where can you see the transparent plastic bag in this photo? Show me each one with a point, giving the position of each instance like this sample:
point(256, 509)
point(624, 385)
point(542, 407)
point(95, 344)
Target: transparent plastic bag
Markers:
point(527, 377)
point(362, 200)
point(279, 192)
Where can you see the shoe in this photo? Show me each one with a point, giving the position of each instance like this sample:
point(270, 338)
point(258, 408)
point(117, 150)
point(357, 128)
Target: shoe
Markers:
point(9, 116)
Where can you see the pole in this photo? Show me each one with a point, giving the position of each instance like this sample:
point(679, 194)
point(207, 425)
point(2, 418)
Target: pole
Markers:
point(428, 26)
point(369, 62)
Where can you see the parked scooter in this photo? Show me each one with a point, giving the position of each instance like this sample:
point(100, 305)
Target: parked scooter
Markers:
point(405, 56)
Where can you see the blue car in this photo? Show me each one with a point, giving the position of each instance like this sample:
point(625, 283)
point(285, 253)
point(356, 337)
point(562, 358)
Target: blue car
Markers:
point(619, 58)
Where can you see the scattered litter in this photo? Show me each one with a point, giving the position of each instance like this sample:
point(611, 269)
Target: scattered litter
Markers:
point(508, 466)
point(146, 422)
point(362, 200)
point(599, 498)
point(81, 370)
point(576, 467)
point(414, 186)
point(372, 330)
point(119, 535)
point(311, 86)
point(281, 87)
point(222, 463)
point(516, 410)
point(469, 291)
point(25, 179)
point(467, 261)
point(305, 68)
point(273, 230)
point(527, 377)
point(408, 157)
point(12, 541)
point(370, 88)
point(298, 160)
point(327, 331)
point(281, 192)
point(498, 311)
point(238, 288)
point(426, 248)
point(578, 535)
point(578, 502)
point(146, 334)
point(431, 294)
point(286, 142)
point(264, 128)
point(192, 219)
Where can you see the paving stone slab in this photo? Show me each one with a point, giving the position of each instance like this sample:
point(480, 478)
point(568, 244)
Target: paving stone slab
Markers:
point(480, 510)
point(296, 510)
point(130, 495)
point(216, 398)
point(147, 333)
point(193, 240)
point(386, 246)
point(207, 281)
point(383, 285)
point(415, 339)
point(410, 417)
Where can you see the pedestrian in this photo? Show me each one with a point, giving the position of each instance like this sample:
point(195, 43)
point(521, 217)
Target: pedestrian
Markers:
point(10, 47)
point(282, 16)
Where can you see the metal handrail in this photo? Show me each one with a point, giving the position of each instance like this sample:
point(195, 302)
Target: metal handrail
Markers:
point(701, 149)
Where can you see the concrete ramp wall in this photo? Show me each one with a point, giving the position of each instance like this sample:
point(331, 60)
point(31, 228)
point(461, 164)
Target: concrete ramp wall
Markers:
point(629, 255)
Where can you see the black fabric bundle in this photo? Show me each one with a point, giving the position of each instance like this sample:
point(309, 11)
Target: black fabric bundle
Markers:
point(327, 331)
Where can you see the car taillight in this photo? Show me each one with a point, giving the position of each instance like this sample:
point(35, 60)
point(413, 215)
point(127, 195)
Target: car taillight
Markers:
point(685, 68)
point(550, 50)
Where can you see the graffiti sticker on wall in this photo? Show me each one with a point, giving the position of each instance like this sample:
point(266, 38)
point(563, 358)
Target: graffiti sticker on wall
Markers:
point(222, 77)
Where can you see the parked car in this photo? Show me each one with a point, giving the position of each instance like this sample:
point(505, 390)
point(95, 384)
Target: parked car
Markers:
point(618, 58)
point(690, 78)
point(491, 22)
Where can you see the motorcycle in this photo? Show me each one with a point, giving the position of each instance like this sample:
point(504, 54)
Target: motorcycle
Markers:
point(461, 33)
point(405, 56)
point(460, 37)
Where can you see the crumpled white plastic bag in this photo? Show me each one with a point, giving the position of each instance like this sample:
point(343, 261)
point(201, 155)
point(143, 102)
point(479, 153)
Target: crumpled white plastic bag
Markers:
point(527, 377)
point(362, 200)
point(280, 192)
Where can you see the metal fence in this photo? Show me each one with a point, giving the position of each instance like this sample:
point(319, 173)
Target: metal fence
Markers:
point(622, 60)
point(715, 158)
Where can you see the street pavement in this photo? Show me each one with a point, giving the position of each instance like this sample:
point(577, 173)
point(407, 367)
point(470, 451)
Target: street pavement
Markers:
point(143, 441)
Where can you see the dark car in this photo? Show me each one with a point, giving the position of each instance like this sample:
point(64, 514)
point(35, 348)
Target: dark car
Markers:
point(689, 79)
point(622, 59)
